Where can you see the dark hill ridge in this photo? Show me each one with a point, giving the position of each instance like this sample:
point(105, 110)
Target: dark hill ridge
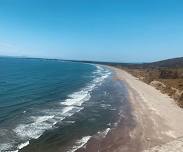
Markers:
point(169, 63)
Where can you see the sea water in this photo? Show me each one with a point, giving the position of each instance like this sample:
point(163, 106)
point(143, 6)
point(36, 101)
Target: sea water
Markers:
point(54, 105)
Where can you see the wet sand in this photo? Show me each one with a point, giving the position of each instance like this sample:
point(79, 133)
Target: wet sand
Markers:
point(149, 119)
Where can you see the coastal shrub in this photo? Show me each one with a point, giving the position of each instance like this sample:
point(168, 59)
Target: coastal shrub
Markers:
point(168, 74)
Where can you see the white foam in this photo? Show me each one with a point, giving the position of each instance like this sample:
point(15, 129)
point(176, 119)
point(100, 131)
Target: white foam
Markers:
point(105, 105)
point(71, 122)
point(106, 132)
point(77, 98)
point(72, 105)
point(35, 129)
point(23, 145)
point(99, 68)
point(66, 110)
point(41, 119)
point(80, 143)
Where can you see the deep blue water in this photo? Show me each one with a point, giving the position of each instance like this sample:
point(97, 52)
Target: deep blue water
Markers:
point(51, 102)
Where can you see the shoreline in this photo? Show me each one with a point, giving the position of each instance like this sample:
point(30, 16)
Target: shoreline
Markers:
point(118, 133)
point(109, 88)
point(154, 120)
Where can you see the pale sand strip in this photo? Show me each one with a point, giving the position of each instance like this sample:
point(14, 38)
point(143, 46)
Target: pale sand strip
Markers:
point(173, 146)
point(159, 119)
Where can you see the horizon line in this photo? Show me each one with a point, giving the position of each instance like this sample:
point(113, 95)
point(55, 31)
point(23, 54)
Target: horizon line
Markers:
point(76, 60)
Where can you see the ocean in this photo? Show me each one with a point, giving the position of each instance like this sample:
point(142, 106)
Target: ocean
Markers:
point(54, 105)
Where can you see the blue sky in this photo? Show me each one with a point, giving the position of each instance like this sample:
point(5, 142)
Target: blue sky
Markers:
point(103, 30)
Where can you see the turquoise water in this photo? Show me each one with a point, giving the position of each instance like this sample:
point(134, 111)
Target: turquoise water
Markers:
point(51, 102)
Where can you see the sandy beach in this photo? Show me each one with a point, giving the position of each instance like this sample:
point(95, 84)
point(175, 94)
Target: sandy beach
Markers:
point(151, 119)
point(158, 119)
point(148, 120)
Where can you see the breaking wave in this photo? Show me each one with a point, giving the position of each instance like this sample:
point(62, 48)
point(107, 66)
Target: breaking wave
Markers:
point(48, 118)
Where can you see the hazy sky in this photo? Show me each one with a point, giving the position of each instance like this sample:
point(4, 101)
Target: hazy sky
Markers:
point(106, 30)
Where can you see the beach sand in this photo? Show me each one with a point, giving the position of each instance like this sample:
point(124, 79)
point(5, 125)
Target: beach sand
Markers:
point(159, 120)
point(153, 119)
